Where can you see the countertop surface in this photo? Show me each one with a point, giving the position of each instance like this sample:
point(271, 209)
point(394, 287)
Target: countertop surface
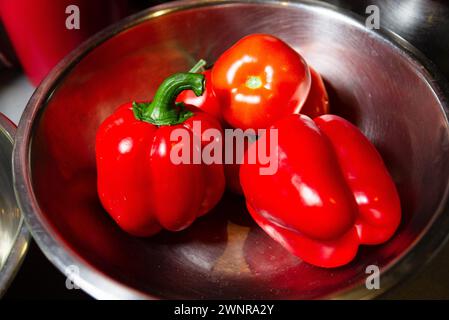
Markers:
point(424, 23)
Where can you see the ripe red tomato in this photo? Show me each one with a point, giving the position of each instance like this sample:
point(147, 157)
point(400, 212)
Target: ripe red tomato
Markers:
point(260, 80)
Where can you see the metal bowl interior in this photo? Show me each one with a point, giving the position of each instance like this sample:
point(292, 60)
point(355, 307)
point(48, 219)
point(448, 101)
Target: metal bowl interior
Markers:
point(372, 81)
point(13, 233)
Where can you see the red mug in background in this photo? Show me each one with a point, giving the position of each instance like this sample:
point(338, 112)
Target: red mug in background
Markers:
point(42, 32)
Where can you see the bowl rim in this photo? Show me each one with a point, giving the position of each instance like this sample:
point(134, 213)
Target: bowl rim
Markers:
point(17, 253)
point(102, 286)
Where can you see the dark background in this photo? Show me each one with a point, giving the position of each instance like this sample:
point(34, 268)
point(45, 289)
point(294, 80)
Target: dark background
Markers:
point(425, 24)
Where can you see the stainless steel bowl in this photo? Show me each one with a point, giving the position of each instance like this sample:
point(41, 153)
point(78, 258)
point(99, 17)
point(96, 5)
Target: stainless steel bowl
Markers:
point(14, 235)
point(375, 79)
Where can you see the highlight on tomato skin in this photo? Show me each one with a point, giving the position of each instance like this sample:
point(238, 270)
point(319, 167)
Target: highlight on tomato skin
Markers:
point(259, 80)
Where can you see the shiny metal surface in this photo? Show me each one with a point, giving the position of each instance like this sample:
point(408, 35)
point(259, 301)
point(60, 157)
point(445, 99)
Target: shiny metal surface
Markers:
point(423, 23)
point(14, 235)
point(375, 79)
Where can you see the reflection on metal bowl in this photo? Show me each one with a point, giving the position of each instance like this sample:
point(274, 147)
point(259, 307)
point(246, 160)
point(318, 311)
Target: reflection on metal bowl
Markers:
point(13, 232)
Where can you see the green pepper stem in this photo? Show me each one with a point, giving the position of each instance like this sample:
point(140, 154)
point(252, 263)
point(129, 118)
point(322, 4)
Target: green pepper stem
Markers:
point(163, 110)
point(198, 66)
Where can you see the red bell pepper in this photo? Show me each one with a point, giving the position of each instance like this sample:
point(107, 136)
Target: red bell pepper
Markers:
point(331, 191)
point(259, 80)
point(138, 183)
